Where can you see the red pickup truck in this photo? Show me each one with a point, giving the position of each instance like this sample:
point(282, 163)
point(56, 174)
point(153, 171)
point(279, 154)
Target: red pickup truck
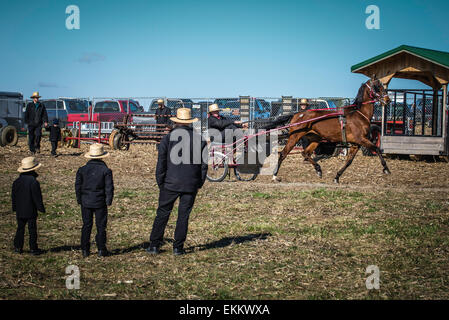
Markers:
point(113, 110)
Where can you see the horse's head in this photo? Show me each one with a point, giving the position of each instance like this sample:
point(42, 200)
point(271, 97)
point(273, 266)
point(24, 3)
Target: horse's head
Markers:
point(377, 91)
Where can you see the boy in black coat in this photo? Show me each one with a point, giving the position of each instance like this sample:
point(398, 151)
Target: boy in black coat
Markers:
point(26, 202)
point(178, 180)
point(94, 192)
point(55, 136)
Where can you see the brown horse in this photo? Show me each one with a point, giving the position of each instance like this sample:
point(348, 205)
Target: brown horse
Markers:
point(357, 127)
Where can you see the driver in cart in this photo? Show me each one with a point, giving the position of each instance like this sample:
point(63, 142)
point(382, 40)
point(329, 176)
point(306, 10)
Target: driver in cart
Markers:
point(221, 123)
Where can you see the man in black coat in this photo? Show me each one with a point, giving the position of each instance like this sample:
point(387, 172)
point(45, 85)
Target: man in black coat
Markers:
point(221, 123)
point(94, 188)
point(26, 202)
point(55, 136)
point(35, 116)
point(179, 175)
point(163, 113)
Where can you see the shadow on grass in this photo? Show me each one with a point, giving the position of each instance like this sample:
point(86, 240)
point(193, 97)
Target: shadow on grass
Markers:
point(227, 241)
point(63, 248)
point(224, 242)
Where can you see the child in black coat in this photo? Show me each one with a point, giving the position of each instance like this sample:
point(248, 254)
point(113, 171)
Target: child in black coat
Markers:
point(55, 136)
point(94, 188)
point(26, 202)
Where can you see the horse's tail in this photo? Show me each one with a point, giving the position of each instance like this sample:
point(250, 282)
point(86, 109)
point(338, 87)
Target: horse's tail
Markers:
point(274, 123)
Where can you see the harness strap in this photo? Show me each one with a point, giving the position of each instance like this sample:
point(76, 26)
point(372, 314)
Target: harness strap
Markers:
point(342, 119)
point(364, 116)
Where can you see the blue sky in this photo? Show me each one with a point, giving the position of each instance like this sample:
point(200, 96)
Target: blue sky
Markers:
point(206, 48)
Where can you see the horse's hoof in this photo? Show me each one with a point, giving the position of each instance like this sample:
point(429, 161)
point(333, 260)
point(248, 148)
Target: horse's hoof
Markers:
point(386, 171)
point(276, 179)
point(320, 174)
point(336, 181)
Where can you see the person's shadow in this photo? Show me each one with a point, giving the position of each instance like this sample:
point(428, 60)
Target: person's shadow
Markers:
point(224, 242)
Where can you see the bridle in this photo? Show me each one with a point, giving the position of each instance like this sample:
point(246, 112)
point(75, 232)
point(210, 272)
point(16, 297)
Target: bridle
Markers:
point(374, 95)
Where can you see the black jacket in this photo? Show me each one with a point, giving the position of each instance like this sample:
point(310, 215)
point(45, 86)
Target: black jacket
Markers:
point(94, 186)
point(27, 196)
point(163, 115)
point(221, 125)
point(55, 133)
point(182, 177)
point(35, 117)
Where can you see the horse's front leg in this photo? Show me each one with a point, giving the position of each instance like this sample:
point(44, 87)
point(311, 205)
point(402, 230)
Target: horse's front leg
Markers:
point(372, 147)
point(292, 141)
point(352, 152)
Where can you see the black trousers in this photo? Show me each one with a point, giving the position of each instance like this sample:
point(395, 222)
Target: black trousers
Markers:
point(167, 199)
point(101, 220)
point(20, 234)
point(34, 137)
point(54, 146)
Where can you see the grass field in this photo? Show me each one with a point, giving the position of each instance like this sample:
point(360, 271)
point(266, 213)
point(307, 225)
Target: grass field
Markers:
point(303, 238)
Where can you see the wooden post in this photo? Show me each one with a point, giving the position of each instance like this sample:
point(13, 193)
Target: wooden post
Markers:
point(445, 120)
point(286, 104)
point(244, 108)
point(435, 112)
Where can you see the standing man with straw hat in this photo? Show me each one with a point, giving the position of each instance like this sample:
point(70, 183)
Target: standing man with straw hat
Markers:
point(303, 105)
point(163, 113)
point(26, 202)
point(94, 192)
point(35, 116)
point(180, 171)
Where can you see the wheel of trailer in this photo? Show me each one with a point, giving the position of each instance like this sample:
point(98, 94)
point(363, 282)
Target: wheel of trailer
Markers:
point(119, 142)
point(74, 143)
point(111, 138)
point(65, 133)
point(9, 136)
point(374, 136)
point(244, 176)
point(217, 167)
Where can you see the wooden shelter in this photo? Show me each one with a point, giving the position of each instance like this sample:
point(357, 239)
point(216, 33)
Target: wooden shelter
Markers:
point(430, 67)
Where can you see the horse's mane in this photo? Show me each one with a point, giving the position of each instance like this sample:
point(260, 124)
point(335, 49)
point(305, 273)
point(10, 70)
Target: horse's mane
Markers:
point(359, 98)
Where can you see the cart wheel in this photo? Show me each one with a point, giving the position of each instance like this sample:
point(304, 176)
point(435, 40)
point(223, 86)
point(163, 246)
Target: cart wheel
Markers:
point(244, 176)
point(217, 167)
point(9, 136)
point(119, 142)
point(111, 138)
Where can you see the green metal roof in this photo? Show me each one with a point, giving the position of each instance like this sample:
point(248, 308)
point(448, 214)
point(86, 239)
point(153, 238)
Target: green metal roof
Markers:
point(438, 57)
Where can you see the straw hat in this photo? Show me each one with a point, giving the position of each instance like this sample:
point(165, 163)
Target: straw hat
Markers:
point(29, 164)
point(160, 101)
point(35, 95)
point(304, 102)
point(183, 115)
point(213, 107)
point(96, 151)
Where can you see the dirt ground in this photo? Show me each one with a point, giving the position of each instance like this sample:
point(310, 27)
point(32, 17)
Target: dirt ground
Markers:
point(303, 238)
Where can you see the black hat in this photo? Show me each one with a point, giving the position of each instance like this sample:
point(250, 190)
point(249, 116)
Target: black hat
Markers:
point(55, 121)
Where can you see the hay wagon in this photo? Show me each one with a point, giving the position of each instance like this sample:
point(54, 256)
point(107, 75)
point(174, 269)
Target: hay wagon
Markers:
point(143, 129)
point(416, 121)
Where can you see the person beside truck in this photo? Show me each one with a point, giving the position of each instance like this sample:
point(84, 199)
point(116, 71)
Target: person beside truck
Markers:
point(35, 117)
